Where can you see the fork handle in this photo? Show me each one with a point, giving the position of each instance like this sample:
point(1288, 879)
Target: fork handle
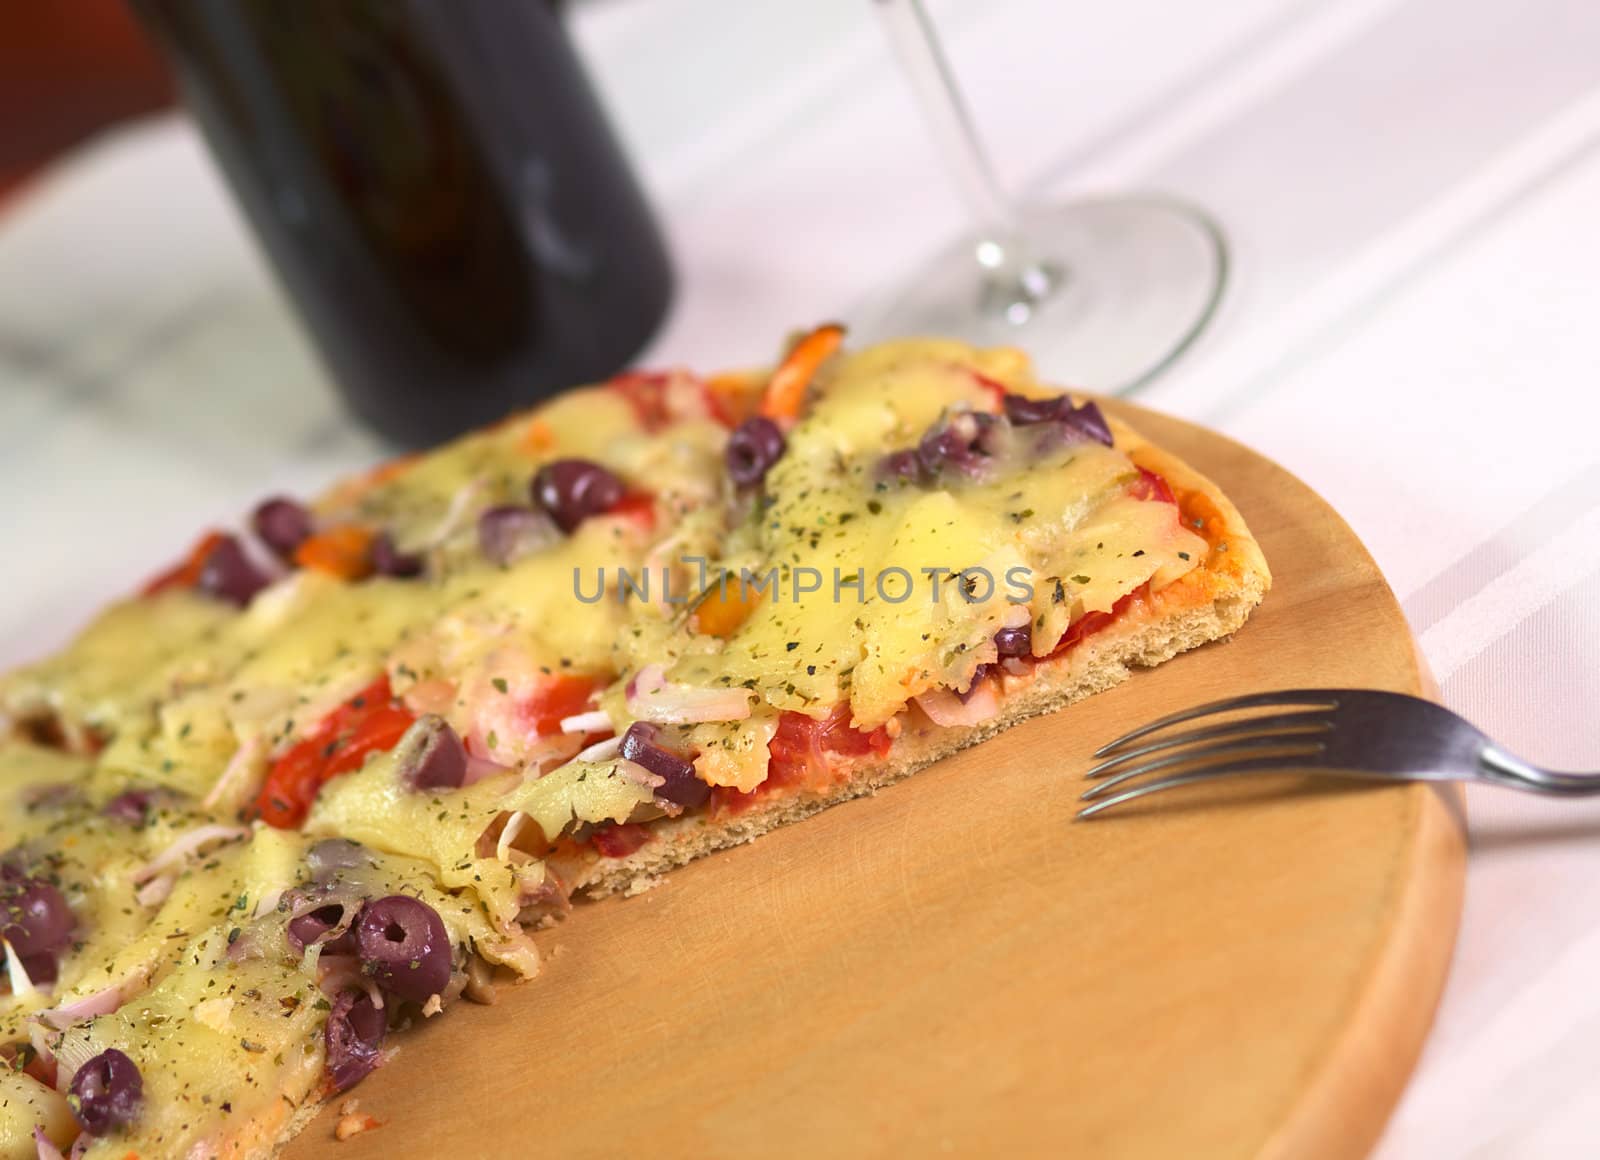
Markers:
point(1508, 769)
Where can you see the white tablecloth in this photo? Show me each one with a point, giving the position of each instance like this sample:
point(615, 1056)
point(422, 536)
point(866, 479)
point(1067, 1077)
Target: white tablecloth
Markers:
point(1411, 190)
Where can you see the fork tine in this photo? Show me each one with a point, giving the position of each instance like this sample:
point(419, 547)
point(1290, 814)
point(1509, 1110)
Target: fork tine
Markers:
point(1241, 747)
point(1310, 698)
point(1287, 724)
point(1254, 765)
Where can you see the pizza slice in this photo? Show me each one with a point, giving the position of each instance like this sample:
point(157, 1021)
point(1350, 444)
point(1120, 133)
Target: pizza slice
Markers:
point(983, 550)
point(326, 774)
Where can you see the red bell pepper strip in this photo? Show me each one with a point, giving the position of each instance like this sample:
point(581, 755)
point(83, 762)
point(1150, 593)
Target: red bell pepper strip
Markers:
point(370, 722)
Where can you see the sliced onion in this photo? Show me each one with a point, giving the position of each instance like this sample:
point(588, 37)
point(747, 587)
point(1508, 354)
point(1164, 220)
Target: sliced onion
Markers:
point(268, 902)
point(514, 948)
point(549, 752)
point(251, 944)
point(101, 1002)
point(188, 845)
point(600, 750)
point(70, 1053)
point(156, 891)
point(660, 563)
point(44, 1149)
point(504, 851)
point(480, 768)
point(1016, 615)
point(945, 708)
point(44, 1041)
point(17, 974)
point(247, 765)
point(639, 775)
point(455, 515)
point(651, 697)
point(594, 721)
point(508, 533)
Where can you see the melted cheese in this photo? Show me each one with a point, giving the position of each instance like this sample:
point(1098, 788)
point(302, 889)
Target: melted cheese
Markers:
point(865, 606)
point(376, 808)
point(25, 1103)
point(103, 678)
point(30, 776)
point(222, 1038)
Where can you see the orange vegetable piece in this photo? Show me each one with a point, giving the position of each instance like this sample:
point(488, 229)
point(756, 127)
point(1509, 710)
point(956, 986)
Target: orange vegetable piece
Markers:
point(538, 438)
point(723, 608)
point(344, 551)
point(786, 389)
point(732, 398)
point(186, 573)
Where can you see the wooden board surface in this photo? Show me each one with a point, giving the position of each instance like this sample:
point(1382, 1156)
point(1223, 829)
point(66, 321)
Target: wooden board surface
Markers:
point(954, 966)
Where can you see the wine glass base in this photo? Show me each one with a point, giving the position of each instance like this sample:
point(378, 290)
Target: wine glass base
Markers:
point(1136, 279)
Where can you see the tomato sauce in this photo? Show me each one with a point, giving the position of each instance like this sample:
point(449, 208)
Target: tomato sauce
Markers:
point(799, 756)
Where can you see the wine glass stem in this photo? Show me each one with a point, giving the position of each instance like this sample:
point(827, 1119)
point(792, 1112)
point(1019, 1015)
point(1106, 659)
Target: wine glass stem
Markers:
point(1013, 279)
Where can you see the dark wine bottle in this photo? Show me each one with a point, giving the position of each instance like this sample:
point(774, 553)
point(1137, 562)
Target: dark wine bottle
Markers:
point(438, 190)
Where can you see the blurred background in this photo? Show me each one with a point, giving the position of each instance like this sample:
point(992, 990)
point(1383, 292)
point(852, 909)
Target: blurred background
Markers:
point(1407, 188)
point(1404, 186)
point(68, 71)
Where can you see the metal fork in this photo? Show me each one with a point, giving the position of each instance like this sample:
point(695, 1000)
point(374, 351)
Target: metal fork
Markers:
point(1355, 733)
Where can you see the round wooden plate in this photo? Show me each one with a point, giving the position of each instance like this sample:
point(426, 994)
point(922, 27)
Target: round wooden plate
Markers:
point(954, 965)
